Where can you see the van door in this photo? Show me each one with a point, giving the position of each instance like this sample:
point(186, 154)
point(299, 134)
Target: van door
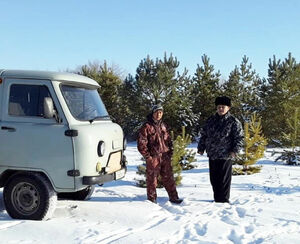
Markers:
point(28, 140)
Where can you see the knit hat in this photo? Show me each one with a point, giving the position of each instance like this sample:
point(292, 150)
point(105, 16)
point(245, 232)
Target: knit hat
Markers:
point(157, 107)
point(223, 101)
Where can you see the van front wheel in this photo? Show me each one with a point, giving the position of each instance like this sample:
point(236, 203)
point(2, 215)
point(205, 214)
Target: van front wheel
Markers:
point(29, 196)
point(81, 195)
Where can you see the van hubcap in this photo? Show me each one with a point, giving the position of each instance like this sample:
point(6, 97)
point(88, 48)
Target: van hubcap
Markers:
point(25, 198)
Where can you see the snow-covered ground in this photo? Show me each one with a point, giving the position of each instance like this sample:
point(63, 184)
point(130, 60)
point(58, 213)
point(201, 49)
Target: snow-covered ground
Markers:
point(265, 208)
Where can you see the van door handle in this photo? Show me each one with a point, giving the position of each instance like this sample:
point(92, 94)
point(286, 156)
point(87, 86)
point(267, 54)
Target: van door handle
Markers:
point(10, 129)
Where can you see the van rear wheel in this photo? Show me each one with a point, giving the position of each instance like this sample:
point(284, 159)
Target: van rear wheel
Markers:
point(29, 196)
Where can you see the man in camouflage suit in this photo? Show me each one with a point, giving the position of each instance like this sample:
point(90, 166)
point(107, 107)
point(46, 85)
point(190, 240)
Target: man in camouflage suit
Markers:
point(155, 144)
point(222, 138)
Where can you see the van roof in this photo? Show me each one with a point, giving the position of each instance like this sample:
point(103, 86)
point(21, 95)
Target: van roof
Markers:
point(48, 75)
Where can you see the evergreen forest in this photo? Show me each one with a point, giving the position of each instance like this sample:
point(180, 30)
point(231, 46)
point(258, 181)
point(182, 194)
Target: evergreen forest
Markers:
point(188, 96)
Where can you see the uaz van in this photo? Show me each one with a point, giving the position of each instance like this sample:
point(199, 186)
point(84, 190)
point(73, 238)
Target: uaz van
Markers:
point(56, 138)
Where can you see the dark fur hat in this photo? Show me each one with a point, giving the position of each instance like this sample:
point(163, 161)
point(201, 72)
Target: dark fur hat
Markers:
point(223, 101)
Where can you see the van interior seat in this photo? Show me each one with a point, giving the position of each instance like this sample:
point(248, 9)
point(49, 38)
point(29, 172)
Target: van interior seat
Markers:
point(15, 109)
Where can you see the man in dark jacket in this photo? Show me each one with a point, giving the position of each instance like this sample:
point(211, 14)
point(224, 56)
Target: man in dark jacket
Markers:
point(222, 138)
point(155, 144)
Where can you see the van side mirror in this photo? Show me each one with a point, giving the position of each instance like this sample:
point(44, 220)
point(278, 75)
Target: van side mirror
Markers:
point(49, 111)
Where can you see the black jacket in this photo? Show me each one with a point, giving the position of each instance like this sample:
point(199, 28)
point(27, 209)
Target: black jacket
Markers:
point(220, 136)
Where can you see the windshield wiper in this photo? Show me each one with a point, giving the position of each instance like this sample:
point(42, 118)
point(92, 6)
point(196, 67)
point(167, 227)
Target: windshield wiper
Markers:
point(99, 117)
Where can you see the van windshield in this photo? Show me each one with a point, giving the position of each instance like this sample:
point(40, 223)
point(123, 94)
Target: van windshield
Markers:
point(84, 103)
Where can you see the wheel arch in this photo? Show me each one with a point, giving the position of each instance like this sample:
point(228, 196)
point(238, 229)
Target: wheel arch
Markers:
point(7, 174)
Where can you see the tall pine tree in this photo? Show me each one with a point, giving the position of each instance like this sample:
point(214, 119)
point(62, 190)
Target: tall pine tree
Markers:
point(243, 87)
point(292, 137)
point(159, 81)
point(206, 89)
point(281, 97)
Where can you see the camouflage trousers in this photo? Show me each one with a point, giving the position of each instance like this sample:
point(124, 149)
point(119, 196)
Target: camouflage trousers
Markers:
point(160, 166)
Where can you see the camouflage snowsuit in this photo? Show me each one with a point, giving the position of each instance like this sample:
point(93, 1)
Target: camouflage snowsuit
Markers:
point(155, 144)
point(220, 136)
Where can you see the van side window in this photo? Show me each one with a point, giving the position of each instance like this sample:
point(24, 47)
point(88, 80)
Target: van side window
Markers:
point(27, 100)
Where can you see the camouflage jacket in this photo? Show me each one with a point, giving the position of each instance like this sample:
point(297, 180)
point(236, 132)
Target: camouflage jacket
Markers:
point(220, 136)
point(154, 138)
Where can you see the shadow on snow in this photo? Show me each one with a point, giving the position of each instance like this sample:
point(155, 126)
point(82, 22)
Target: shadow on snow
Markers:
point(277, 190)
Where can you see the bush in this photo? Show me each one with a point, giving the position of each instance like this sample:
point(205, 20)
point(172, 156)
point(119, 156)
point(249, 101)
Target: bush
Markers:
point(182, 157)
point(290, 157)
point(254, 148)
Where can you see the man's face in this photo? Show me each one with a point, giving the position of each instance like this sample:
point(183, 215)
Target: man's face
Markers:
point(222, 109)
point(157, 115)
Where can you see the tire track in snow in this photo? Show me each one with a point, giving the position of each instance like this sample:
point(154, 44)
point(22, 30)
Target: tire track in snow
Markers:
point(9, 224)
point(118, 235)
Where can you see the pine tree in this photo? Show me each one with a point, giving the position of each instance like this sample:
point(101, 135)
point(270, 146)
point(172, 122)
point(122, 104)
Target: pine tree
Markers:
point(243, 88)
point(110, 82)
point(206, 89)
point(132, 107)
point(281, 95)
point(182, 157)
point(159, 81)
point(254, 148)
point(292, 138)
point(177, 152)
point(141, 170)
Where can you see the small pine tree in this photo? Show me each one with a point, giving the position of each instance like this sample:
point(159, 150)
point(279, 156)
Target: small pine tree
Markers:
point(187, 159)
point(254, 148)
point(141, 181)
point(141, 170)
point(182, 156)
point(290, 157)
point(293, 139)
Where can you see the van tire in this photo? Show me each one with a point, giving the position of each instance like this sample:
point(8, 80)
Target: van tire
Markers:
point(29, 196)
point(81, 195)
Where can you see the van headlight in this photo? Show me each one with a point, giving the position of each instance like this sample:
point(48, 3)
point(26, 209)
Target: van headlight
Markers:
point(101, 148)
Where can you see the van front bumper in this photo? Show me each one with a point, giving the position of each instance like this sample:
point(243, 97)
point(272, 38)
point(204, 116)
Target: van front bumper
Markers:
point(100, 179)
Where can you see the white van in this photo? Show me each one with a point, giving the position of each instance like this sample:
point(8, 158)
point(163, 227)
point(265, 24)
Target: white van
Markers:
point(56, 138)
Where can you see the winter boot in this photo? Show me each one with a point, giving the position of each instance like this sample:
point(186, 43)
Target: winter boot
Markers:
point(152, 200)
point(176, 201)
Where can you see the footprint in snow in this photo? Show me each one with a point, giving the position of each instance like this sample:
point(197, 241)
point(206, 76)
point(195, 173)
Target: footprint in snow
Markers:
point(235, 238)
point(249, 229)
point(241, 212)
point(173, 208)
point(228, 220)
point(240, 202)
point(201, 229)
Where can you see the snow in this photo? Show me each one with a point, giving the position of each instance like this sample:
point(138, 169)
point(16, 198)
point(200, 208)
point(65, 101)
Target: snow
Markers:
point(264, 209)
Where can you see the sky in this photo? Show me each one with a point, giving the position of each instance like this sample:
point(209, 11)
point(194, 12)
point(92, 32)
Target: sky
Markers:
point(61, 35)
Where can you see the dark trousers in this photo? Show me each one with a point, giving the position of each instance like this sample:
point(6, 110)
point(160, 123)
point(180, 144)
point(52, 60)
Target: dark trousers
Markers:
point(160, 166)
point(220, 172)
